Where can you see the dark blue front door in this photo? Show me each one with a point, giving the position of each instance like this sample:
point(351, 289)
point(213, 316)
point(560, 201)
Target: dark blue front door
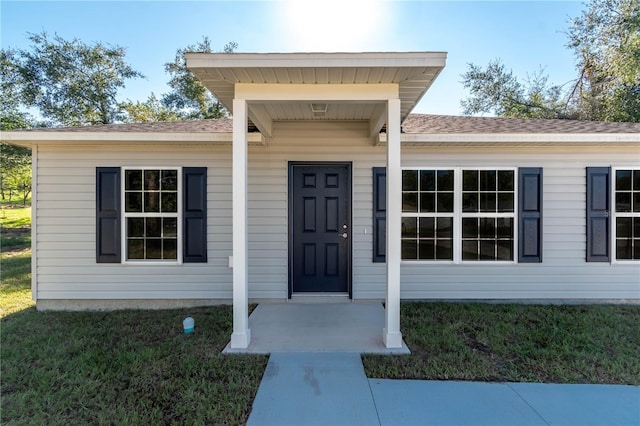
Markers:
point(320, 227)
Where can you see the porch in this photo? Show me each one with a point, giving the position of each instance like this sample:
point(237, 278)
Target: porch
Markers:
point(352, 327)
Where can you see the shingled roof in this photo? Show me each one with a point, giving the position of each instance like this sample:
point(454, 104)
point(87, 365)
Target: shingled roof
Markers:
point(414, 124)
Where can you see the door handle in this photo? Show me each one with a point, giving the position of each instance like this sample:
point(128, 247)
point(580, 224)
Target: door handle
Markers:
point(344, 235)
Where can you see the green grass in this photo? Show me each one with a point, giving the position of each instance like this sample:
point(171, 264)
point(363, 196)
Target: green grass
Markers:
point(15, 227)
point(120, 367)
point(521, 343)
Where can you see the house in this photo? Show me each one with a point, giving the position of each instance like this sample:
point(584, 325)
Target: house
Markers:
point(325, 186)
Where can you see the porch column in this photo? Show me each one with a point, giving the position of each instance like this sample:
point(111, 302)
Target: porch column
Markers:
point(391, 334)
point(241, 334)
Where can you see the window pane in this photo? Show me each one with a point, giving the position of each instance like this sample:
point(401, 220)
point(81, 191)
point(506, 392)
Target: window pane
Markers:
point(135, 227)
point(410, 202)
point(135, 249)
point(487, 227)
point(470, 180)
point(409, 180)
point(154, 227)
point(623, 227)
point(151, 180)
point(623, 201)
point(445, 225)
point(487, 180)
point(169, 227)
point(133, 202)
point(623, 249)
point(636, 201)
point(427, 202)
point(409, 227)
point(505, 250)
point(623, 180)
point(445, 202)
point(445, 180)
point(170, 249)
point(169, 180)
point(505, 202)
point(636, 227)
point(152, 202)
point(505, 228)
point(636, 248)
point(426, 249)
point(427, 180)
point(133, 180)
point(487, 250)
point(636, 180)
point(169, 202)
point(470, 203)
point(444, 250)
point(427, 229)
point(154, 248)
point(409, 249)
point(505, 180)
point(488, 202)
point(470, 227)
point(470, 250)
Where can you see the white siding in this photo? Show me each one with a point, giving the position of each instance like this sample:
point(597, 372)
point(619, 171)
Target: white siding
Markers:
point(66, 222)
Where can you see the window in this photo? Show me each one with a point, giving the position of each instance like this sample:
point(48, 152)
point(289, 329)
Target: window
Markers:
point(427, 222)
point(459, 214)
point(151, 215)
point(151, 206)
point(488, 202)
point(627, 214)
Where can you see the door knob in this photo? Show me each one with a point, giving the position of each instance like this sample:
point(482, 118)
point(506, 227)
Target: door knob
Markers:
point(345, 235)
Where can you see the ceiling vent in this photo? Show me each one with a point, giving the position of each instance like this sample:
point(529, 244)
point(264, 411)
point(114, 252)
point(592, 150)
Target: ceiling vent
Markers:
point(319, 110)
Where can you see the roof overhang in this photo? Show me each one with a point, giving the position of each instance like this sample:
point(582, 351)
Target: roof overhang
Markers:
point(409, 73)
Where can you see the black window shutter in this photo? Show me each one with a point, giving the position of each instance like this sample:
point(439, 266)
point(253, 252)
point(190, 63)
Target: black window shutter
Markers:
point(194, 214)
point(530, 215)
point(108, 220)
point(379, 214)
point(598, 223)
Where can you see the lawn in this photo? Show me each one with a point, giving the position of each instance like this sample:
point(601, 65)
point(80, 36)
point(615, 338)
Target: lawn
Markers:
point(519, 343)
point(138, 367)
point(121, 367)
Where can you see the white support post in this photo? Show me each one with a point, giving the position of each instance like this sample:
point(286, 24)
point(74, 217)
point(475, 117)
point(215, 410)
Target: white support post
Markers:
point(391, 335)
point(241, 334)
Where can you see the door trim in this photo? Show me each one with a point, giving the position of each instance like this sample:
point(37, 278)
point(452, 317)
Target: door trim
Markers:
point(290, 168)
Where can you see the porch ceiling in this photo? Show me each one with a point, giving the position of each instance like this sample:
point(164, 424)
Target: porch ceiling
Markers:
point(414, 72)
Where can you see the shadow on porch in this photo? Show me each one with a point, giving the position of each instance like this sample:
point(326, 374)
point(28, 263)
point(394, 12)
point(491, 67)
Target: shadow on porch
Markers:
point(317, 327)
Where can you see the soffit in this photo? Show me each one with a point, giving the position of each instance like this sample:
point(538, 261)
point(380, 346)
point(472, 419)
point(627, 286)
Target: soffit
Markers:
point(414, 72)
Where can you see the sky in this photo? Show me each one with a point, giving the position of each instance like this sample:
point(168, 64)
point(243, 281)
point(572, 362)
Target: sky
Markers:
point(526, 35)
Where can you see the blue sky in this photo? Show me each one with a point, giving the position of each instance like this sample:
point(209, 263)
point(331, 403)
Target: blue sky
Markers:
point(526, 35)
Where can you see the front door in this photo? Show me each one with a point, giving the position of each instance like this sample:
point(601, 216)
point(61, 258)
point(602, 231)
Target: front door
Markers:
point(319, 227)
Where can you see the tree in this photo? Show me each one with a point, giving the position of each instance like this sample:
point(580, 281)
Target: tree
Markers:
point(606, 42)
point(498, 91)
point(151, 110)
point(70, 82)
point(189, 98)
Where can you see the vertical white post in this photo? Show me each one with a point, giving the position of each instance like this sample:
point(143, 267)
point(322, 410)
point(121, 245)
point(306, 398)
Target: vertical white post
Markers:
point(391, 334)
point(241, 334)
point(34, 222)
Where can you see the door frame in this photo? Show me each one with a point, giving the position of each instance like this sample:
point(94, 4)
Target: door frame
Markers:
point(291, 166)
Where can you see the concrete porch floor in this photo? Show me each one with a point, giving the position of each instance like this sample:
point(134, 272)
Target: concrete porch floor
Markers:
point(317, 327)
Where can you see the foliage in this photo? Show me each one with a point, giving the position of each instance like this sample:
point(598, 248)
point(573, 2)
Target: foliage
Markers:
point(70, 82)
point(15, 171)
point(11, 116)
point(189, 98)
point(496, 90)
point(151, 110)
point(605, 40)
point(516, 343)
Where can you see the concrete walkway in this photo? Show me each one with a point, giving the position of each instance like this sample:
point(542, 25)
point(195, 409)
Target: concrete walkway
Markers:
point(332, 389)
